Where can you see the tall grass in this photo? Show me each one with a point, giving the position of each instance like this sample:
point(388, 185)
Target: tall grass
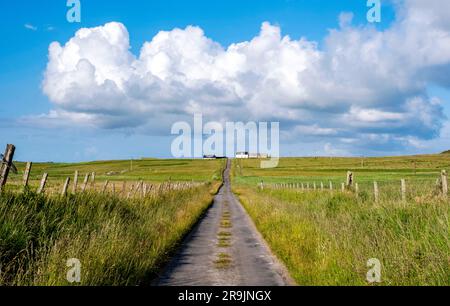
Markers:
point(118, 241)
point(326, 238)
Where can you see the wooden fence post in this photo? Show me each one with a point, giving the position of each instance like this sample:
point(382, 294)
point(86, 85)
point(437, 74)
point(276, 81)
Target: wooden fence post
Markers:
point(124, 188)
point(130, 192)
point(114, 188)
point(65, 187)
point(6, 164)
point(444, 180)
point(349, 179)
point(142, 190)
point(375, 191)
point(145, 190)
point(93, 181)
point(321, 186)
point(331, 185)
point(105, 186)
point(26, 174)
point(403, 182)
point(43, 182)
point(357, 189)
point(75, 182)
point(85, 182)
point(315, 187)
point(342, 187)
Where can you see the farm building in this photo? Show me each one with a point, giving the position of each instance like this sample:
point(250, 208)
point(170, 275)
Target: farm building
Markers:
point(246, 155)
point(242, 155)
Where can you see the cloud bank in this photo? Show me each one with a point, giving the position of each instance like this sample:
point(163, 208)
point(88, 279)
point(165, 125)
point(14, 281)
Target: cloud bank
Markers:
point(363, 85)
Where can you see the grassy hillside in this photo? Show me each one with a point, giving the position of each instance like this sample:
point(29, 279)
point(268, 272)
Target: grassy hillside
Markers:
point(148, 170)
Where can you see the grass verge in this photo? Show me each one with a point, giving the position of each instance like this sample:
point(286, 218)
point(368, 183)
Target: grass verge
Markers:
point(327, 238)
point(118, 241)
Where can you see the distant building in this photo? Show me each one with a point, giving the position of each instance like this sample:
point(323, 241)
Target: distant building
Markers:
point(242, 155)
point(209, 157)
point(247, 155)
point(213, 157)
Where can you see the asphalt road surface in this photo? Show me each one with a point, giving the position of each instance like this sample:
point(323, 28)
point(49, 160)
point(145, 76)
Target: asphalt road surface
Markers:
point(224, 249)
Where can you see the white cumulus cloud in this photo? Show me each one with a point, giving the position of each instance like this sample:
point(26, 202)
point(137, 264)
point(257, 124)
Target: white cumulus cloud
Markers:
point(362, 82)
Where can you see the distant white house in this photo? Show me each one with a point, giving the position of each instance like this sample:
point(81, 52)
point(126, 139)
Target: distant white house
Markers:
point(242, 155)
point(247, 155)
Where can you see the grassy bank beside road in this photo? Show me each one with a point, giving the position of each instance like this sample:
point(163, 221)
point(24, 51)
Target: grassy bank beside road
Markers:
point(326, 237)
point(118, 240)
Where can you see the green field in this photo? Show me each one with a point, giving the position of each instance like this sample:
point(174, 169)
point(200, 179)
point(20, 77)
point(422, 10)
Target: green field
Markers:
point(148, 170)
point(323, 237)
point(422, 167)
point(420, 173)
point(118, 240)
point(326, 237)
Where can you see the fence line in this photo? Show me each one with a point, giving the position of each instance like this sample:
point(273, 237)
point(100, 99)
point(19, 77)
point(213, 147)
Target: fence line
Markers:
point(351, 186)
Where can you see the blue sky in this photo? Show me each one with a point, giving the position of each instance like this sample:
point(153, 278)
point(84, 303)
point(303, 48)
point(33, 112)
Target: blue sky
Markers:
point(28, 28)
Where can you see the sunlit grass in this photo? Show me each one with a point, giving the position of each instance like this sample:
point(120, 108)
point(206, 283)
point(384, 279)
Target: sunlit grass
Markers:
point(327, 237)
point(118, 240)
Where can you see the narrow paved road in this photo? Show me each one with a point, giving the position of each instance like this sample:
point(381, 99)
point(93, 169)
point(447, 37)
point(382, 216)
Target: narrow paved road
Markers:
point(224, 249)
